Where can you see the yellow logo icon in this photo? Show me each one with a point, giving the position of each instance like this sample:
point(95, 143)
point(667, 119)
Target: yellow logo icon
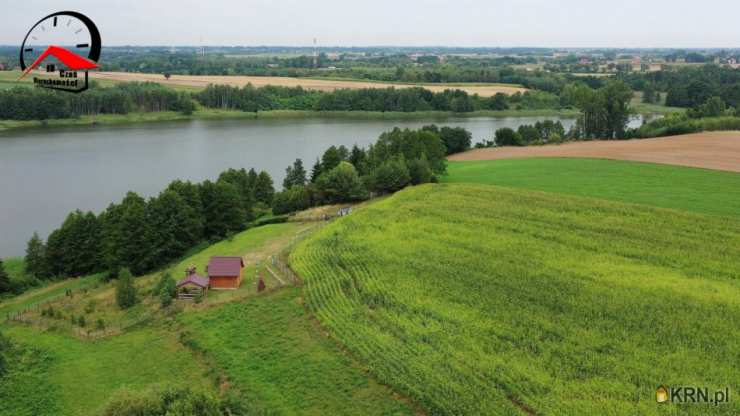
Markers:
point(661, 394)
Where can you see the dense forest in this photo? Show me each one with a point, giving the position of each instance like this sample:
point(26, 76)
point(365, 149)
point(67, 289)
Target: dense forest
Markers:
point(21, 103)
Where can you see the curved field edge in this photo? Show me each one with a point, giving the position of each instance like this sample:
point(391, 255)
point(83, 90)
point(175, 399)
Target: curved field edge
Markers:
point(477, 299)
point(690, 189)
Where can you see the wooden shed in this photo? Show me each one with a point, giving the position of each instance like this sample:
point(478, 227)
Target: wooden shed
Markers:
point(192, 286)
point(225, 272)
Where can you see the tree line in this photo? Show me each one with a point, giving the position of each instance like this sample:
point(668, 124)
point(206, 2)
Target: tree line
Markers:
point(21, 103)
point(253, 99)
point(142, 235)
point(398, 158)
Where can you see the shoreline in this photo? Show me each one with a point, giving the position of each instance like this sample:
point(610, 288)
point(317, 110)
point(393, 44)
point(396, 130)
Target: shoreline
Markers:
point(210, 114)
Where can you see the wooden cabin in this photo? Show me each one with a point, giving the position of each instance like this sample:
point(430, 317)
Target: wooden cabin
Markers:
point(192, 286)
point(225, 272)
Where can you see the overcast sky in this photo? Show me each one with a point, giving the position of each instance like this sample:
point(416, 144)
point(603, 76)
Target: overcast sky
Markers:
point(552, 23)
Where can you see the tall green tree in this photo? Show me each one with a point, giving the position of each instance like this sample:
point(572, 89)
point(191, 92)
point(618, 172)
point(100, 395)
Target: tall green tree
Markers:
point(174, 227)
point(125, 290)
point(222, 208)
point(245, 184)
point(393, 175)
point(264, 190)
point(331, 159)
point(316, 171)
point(295, 175)
point(35, 259)
point(341, 184)
point(6, 285)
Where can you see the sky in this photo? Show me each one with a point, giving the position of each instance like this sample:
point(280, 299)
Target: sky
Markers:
point(483, 23)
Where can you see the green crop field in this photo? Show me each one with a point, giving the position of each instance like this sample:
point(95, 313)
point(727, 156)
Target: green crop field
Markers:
point(697, 190)
point(477, 299)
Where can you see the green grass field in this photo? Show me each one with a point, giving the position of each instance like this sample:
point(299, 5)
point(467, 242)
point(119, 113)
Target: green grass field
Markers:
point(272, 351)
point(477, 299)
point(697, 190)
point(60, 375)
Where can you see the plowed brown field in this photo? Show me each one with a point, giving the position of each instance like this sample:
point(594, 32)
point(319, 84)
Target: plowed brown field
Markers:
point(715, 150)
point(201, 81)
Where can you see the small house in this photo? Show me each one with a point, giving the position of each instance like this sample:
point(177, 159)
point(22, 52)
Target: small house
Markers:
point(225, 272)
point(192, 286)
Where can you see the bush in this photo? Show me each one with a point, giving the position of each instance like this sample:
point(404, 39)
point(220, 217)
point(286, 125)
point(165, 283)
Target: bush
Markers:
point(170, 401)
point(167, 290)
point(125, 290)
point(296, 198)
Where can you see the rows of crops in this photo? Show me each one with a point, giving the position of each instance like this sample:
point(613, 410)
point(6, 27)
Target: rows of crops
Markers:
point(475, 299)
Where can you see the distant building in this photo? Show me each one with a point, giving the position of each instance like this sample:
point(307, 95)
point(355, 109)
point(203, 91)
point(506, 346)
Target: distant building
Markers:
point(192, 286)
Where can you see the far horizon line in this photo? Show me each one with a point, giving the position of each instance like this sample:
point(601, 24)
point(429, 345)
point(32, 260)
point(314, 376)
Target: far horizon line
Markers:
point(706, 48)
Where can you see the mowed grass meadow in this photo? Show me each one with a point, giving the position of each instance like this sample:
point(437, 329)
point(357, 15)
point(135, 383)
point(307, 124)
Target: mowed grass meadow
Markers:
point(477, 299)
point(697, 190)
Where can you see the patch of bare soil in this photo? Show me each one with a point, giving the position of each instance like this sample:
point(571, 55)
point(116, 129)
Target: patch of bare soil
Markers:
point(202, 81)
point(711, 150)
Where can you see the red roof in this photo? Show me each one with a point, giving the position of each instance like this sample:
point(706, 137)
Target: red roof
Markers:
point(73, 61)
point(225, 266)
point(195, 280)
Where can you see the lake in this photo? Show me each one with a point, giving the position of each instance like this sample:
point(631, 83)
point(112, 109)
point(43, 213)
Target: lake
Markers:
point(46, 173)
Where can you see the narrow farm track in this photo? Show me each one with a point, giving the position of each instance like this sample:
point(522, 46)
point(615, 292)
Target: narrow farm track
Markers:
point(202, 81)
point(711, 150)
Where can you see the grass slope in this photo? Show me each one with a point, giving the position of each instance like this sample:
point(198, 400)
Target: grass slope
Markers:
point(272, 351)
point(697, 190)
point(478, 299)
point(77, 377)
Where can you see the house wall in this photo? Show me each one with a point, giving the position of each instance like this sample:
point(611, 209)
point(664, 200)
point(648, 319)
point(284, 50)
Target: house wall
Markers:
point(225, 282)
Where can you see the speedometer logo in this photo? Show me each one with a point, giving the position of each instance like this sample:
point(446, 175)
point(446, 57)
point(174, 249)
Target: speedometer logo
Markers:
point(59, 50)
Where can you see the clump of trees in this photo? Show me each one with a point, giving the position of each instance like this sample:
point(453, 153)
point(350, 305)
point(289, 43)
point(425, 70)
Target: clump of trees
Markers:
point(398, 158)
point(144, 234)
point(23, 103)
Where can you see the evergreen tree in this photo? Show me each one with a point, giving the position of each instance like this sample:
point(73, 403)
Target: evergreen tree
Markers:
point(6, 285)
point(316, 171)
point(125, 290)
point(331, 159)
point(263, 189)
point(168, 290)
point(133, 235)
point(358, 159)
point(295, 175)
point(35, 259)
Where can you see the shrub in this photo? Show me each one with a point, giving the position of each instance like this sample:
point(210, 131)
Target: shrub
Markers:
point(169, 401)
point(168, 290)
point(297, 198)
point(125, 290)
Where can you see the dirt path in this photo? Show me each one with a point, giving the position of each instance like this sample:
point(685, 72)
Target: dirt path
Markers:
point(715, 150)
point(311, 84)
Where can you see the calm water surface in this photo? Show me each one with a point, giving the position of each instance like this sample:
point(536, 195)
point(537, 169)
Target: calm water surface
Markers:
point(45, 174)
